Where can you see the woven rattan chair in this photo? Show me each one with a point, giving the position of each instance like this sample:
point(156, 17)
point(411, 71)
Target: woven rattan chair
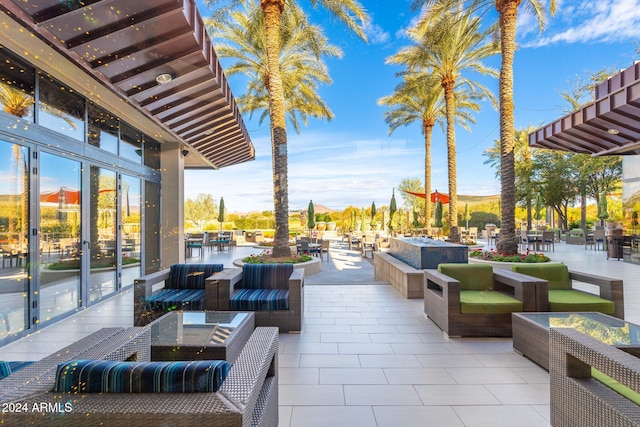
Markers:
point(273, 292)
point(477, 301)
point(586, 376)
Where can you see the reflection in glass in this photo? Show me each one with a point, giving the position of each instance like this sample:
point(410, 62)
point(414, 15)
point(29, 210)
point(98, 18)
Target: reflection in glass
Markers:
point(131, 202)
point(16, 86)
point(103, 221)
point(130, 143)
point(60, 108)
point(103, 129)
point(14, 239)
point(60, 248)
point(152, 226)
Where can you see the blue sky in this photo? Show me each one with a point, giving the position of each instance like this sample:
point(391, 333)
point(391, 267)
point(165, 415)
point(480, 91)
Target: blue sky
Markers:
point(353, 161)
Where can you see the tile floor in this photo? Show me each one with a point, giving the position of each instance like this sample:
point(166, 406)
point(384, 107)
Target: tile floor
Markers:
point(369, 357)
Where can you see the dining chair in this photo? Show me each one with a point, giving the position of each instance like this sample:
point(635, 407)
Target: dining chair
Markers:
point(548, 240)
point(324, 248)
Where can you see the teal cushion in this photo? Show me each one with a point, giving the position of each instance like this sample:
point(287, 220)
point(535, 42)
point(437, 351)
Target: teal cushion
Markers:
point(488, 302)
point(104, 376)
point(555, 273)
point(568, 300)
point(472, 277)
point(260, 299)
point(5, 369)
point(266, 276)
point(190, 276)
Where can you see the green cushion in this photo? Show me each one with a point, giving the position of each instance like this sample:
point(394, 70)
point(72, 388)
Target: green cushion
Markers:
point(614, 385)
point(555, 273)
point(472, 277)
point(564, 300)
point(488, 302)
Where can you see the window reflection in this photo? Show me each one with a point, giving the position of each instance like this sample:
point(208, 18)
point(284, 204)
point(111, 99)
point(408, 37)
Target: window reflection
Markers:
point(130, 143)
point(16, 86)
point(103, 129)
point(131, 229)
point(103, 221)
point(60, 108)
point(14, 243)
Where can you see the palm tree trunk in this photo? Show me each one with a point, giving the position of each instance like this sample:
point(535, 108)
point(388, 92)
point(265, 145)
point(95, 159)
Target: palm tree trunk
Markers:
point(508, 10)
point(448, 85)
point(428, 132)
point(272, 10)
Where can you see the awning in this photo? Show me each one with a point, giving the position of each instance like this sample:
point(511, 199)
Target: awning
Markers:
point(125, 45)
point(608, 126)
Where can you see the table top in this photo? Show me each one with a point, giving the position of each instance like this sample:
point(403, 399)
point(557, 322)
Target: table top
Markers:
point(200, 328)
point(602, 327)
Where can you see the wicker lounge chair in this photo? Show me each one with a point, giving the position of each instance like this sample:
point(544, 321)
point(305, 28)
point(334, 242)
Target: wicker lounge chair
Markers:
point(592, 383)
point(475, 300)
point(184, 289)
point(562, 295)
point(273, 292)
point(248, 397)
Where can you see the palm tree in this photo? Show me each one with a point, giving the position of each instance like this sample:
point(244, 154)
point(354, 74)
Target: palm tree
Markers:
point(507, 17)
point(242, 38)
point(449, 48)
point(420, 98)
point(351, 13)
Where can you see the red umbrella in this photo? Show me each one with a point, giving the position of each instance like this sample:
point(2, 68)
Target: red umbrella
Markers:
point(435, 197)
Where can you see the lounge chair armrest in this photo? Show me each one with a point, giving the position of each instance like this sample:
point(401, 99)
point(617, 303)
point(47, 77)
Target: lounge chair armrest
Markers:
point(227, 280)
point(610, 289)
point(296, 278)
point(531, 291)
point(211, 285)
point(450, 287)
point(143, 286)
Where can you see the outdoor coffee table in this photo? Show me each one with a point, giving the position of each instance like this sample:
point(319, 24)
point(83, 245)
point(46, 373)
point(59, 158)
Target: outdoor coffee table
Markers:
point(531, 331)
point(200, 335)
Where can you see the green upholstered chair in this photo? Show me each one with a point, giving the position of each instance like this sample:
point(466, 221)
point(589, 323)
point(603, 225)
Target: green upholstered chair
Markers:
point(476, 300)
point(564, 297)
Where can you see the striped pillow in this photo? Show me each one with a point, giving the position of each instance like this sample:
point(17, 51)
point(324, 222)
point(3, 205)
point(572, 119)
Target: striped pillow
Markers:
point(103, 376)
point(190, 276)
point(266, 276)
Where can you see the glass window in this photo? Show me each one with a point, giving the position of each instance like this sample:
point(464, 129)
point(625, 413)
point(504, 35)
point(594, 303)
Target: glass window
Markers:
point(130, 212)
point(151, 153)
point(14, 239)
point(130, 143)
point(16, 86)
point(102, 129)
point(60, 108)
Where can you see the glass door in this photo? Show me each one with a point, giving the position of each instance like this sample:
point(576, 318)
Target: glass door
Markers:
point(60, 242)
point(14, 239)
point(130, 244)
point(103, 222)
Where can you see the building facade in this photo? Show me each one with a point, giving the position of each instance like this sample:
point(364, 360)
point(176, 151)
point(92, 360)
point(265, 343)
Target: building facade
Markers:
point(104, 104)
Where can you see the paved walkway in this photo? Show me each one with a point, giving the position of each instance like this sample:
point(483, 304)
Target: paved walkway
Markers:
point(369, 357)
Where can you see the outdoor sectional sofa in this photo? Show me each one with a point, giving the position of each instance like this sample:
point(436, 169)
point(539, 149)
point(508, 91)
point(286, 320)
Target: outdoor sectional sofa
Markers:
point(248, 396)
point(476, 300)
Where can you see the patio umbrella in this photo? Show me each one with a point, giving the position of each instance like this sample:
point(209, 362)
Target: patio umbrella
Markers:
point(467, 214)
point(311, 223)
point(538, 207)
point(392, 209)
point(602, 207)
point(439, 214)
point(373, 213)
point(221, 212)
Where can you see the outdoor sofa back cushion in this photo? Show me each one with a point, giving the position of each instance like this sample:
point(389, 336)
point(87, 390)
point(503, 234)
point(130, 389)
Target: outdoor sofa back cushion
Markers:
point(104, 376)
point(472, 277)
point(190, 276)
point(555, 273)
point(266, 276)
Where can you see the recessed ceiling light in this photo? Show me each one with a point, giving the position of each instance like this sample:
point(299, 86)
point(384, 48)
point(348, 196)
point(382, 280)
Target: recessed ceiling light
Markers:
point(613, 131)
point(164, 78)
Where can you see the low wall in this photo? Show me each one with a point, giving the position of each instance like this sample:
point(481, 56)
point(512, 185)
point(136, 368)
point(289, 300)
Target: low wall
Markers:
point(406, 279)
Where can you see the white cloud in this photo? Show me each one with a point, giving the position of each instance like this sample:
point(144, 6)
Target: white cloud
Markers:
point(603, 21)
point(375, 33)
